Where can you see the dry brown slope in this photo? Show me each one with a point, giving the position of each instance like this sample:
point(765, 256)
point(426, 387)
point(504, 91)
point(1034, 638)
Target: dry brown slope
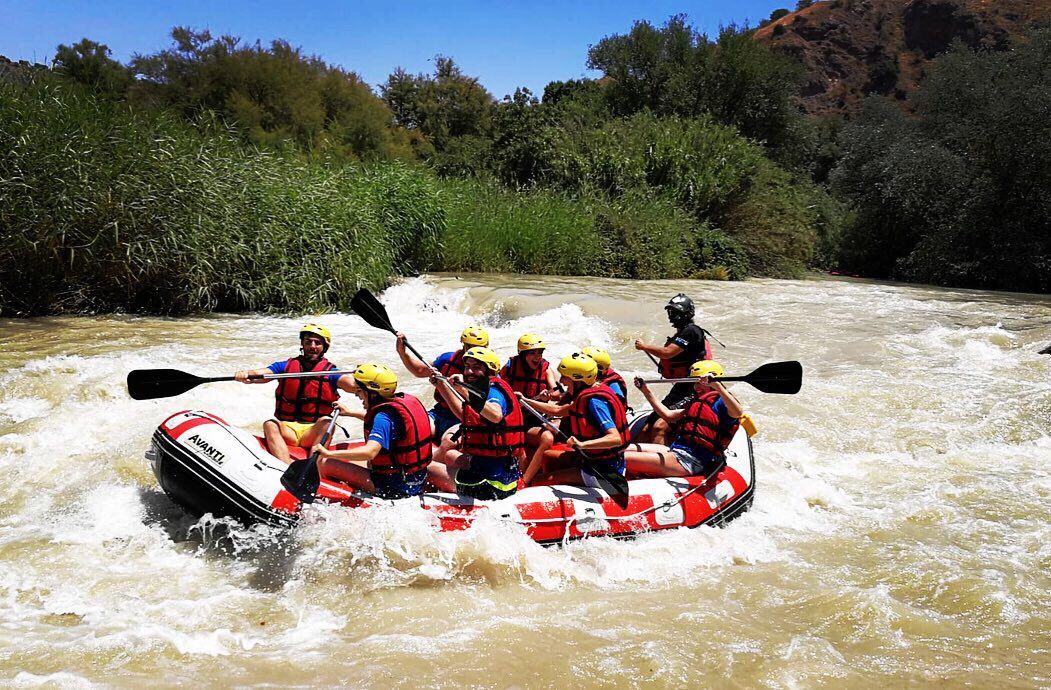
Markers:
point(854, 47)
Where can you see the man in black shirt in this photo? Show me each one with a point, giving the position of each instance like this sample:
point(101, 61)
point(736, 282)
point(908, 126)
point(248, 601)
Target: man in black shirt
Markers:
point(674, 359)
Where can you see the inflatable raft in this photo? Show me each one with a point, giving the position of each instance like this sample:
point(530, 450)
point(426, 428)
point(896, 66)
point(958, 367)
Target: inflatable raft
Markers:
point(208, 466)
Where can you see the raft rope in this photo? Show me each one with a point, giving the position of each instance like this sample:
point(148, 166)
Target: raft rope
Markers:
point(469, 517)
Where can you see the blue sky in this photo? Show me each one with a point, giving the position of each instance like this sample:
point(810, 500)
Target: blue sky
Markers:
point(505, 44)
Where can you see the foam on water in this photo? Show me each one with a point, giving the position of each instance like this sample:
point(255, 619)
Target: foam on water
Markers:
point(902, 502)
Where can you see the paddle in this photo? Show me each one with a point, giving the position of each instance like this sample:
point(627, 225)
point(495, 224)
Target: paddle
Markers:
point(147, 384)
point(365, 305)
point(617, 481)
point(302, 478)
point(785, 378)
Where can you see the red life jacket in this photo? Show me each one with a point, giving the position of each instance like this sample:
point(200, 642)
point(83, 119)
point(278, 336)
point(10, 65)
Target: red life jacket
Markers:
point(581, 427)
point(700, 427)
point(528, 382)
point(612, 377)
point(305, 400)
point(504, 439)
point(453, 366)
point(678, 367)
point(411, 450)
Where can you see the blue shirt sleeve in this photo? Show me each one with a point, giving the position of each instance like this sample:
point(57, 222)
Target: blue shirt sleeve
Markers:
point(618, 389)
point(600, 414)
point(442, 359)
point(719, 408)
point(382, 430)
point(497, 396)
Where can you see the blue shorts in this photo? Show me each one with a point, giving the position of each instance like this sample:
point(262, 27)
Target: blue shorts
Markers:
point(443, 419)
point(694, 462)
point(488, 478)
point(398, 486)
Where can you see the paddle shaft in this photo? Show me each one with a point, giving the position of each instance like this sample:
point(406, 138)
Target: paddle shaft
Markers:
point(694, 379)
point(302, 478)
point(325, 437)
point(545, 422)
point(618, 483)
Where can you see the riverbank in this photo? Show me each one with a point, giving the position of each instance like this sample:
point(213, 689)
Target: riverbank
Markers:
point(109, 208)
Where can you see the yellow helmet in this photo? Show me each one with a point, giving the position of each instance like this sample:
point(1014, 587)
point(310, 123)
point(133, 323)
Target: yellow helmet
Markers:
point(600, 356)
point(475, 336)
point(579, 367)
point(485, 356)
point(377, 377)
point(321, 331)
point(705, 367)
point(530, 341)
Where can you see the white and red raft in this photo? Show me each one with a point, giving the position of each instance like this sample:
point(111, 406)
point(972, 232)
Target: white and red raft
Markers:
point(207, 466)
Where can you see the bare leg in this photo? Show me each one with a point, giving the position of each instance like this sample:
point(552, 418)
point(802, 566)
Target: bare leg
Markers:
point(446, 446)
point(347, 473)
point(276, 441)
point(652, 460)
point(314, 433)
point(536, 463)
point(441, 477)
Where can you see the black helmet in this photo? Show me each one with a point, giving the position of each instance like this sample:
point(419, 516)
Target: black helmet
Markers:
point(682, 304)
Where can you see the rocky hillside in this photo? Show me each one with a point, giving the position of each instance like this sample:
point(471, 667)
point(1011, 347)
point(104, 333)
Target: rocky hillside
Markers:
point(855, 47)
point(20, 72)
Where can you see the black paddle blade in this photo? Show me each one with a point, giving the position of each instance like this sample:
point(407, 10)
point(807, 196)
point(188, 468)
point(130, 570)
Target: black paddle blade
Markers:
point(616, 485)
point(365, 305)
point(785, 378)
point(302, 479)
point(147, 384)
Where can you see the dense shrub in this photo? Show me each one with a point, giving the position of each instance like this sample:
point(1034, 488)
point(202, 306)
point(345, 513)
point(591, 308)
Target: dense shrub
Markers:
point(957, 195)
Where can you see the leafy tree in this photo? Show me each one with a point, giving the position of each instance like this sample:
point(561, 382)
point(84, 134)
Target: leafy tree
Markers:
point(275, 95)
point(673, 70)
point(958, 195)
point(89, 63)
point(442, 107)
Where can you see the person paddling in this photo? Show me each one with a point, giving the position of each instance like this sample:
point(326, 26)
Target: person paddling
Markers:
point(679, 352)
point(607, 375)
point(705, 428)
point(528, 372)
point(446, 364)
point(484, 463)
point(598, 428)
point(303, 405)
point(397, 448)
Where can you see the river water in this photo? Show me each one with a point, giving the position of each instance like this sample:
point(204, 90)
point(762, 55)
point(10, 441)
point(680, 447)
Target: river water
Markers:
point(901, 530)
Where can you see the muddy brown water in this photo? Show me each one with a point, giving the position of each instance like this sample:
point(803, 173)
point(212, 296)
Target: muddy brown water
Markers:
point(900, 535)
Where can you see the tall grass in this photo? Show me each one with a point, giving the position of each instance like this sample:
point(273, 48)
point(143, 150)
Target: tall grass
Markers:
point(105, 209)
point(102, 209)
point(490, 228)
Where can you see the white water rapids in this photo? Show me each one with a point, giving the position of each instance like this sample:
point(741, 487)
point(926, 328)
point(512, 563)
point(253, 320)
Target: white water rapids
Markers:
point(900, 535)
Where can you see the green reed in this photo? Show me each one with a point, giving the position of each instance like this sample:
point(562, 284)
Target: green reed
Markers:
point(102, 209)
